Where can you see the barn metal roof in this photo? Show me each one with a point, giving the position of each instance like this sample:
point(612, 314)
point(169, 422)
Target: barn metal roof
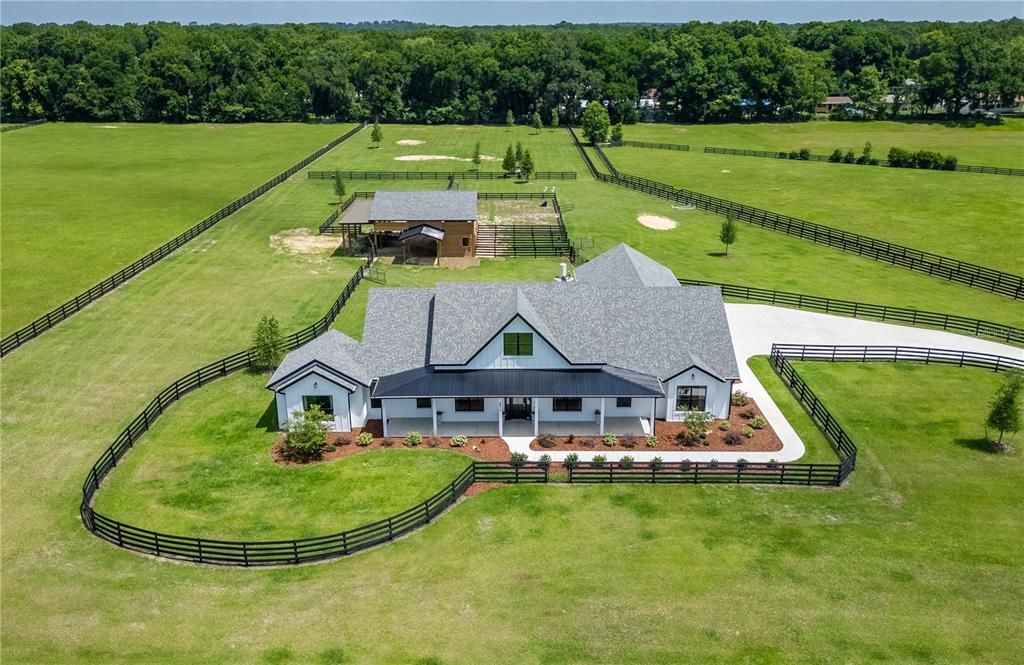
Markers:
point(429, 205)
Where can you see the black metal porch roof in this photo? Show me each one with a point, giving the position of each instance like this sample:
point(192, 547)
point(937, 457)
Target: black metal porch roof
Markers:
point(598, 382)
point(421, 230)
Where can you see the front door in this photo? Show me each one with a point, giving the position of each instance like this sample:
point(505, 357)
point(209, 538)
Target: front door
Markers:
point(518, 408)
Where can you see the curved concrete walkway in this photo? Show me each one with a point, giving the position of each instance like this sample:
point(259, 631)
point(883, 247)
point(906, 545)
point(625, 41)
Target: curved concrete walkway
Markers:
point(754, 329)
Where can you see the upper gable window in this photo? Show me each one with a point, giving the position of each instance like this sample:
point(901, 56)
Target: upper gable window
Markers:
point(518, 344)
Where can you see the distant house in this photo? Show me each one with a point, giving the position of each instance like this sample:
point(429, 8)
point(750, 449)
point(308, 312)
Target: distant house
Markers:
point(613, 348)
point(832, 103)
point(441, 223)
point(649, 99)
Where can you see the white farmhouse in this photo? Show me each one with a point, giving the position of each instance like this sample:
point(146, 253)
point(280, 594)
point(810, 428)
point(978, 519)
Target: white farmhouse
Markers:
point(612, 349)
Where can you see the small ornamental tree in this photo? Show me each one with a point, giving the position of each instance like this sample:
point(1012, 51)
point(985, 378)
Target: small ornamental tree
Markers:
point(267, 343)
point(508, 165)
point(617, 133)
point(595, 123)
point(1004, 412)
point(554, 118)
point(727, 234)
point(377, 135)
point(307, 436)
point(339, 186)
point(519, 153)
point(476, 154)
point(510, 119)
point(526, 166)
point(535, 122)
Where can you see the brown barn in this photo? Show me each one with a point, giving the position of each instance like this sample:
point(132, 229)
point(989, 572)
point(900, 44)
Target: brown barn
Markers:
point(427, 222)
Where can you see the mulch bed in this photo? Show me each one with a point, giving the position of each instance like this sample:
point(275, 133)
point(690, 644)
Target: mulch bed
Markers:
point(486, 448)
point(764, 439)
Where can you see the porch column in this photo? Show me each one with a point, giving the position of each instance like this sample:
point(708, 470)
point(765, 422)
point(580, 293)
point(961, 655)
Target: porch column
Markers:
point(536, 416)
point(433, 414)
point(501, 417)
point(600, 428)
point(654, 410)
point(384, 416)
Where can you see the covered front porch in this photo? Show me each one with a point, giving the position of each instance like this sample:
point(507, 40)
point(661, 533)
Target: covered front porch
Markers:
point(617, 425)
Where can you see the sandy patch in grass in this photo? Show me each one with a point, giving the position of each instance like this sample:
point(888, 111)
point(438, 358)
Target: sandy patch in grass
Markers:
point(106, 127)
point(410, 142)
point(726, 171)
point(303, 242)
point(516, 212)
point(431, 158)
point(657, 222)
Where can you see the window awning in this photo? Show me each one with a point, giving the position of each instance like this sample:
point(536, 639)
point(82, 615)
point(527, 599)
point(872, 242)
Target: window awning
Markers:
point(421, 230)
point(599, 382)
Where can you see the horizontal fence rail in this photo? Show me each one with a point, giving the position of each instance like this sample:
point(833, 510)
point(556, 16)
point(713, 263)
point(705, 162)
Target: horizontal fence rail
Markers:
point(52, 318)
point(782, 154)
point(943, 267)
point(22, 125)
point(437, 175)
point(775, 473)
point(653, 146)
point(913, 354)
point(861, 310)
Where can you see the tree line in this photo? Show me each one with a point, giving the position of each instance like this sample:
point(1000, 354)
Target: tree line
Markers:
point(712, 72)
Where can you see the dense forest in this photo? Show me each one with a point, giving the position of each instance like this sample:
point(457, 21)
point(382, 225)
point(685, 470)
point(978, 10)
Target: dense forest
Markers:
point(175, 73)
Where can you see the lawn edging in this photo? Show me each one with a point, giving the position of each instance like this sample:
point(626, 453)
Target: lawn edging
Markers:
point(76, 304)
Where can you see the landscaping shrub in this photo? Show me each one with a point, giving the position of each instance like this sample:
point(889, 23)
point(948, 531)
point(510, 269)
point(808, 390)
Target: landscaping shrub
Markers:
point(713, 464)
point(433, 442)
point(748, 432)
point(571, 439)
point(306, 437)
point(741, 462)
point(748, 414)
point(758, 422)
point(598, 461)
point(651, 441)
point(724, 425)
point(805, 154)
point(364, 439)
point(793, 154)
point(610, 440)
point(589, 442)
point(329, 448)
point(571, 461)
point(922, 159)
point(545, 460)
point(783, 154)
point(836, 156)
point(546, 440)
point(629, 441)
point(626, 462)
point(457, 441)
point(388, 442)
point(739, 398)
point(772, 463)
point(413, 439)
point(343, 441)
point(733, 439)
point(517, 459)
point(656, 463)
point(686, 437)
point(685, 464)
point(949, 163)
point(697, 422)
point(850, 157)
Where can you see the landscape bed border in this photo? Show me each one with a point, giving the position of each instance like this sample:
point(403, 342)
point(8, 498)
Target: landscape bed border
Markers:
point(76, 304)
point(935, 265)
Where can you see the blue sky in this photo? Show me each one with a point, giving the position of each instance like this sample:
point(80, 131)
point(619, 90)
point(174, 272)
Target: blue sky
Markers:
point(489, 12)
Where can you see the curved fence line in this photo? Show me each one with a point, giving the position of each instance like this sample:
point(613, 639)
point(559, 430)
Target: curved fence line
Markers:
point(880, 353)
point(935, 265)
point(69, 308)
point(781, 154)
point(861, 310)
point(437, 175)
point(22, 125)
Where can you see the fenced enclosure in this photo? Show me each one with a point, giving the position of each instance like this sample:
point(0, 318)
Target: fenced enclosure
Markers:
point(677, 473)
point(781, 154)
point(437, 175)
point(861, 310)
point(52, 318)
point(22, 125)
point(891, 354)
point(935, 265)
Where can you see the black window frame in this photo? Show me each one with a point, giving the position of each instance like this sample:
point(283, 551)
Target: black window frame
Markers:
point(465, 241)
point(518, 346)
point(623, 402)
point(470, 404)
point(319, 398)
point(374, 401)
point(567, 404)
point(420, 403)
point(697, 400)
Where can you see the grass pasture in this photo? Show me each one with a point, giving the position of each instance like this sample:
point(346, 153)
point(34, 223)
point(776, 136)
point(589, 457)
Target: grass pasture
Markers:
point(82, 200)
point(981, 144)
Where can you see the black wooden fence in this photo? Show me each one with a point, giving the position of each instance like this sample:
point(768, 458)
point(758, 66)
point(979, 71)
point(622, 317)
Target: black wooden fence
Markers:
point(331, 225)
point(52, 318)
point(22, 125)
point(654, 146)
point(914, 354)
point(774, 473)
point(943, 267)
point(437, 175)
point(861, 310)
point(780, 154)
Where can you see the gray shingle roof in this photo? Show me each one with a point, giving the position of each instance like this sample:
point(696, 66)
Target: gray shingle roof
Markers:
point(624, 266)
point(397, 327)
point(423, 205)
point(333, 349)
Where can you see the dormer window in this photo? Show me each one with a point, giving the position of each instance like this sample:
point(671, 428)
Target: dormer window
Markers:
point(518, 344)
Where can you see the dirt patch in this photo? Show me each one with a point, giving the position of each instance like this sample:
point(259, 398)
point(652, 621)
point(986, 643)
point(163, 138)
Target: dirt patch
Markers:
point(764, 439)
point(432, 158)
point(303, 242)
point(410, 142)
point(726, 171)
point(477, 488)
point(657, 222)
point(513, 211)
point(485, 448)
point(106, 127)
point(458, 262)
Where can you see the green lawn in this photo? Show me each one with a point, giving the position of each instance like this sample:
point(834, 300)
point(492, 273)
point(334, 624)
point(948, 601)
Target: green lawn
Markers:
point(551, 149)
point(81, 201)
point(983, 145)
point(205, 470)
point(964, 216)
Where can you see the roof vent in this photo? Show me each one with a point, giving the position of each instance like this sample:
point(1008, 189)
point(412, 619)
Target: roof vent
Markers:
point(564, 275)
